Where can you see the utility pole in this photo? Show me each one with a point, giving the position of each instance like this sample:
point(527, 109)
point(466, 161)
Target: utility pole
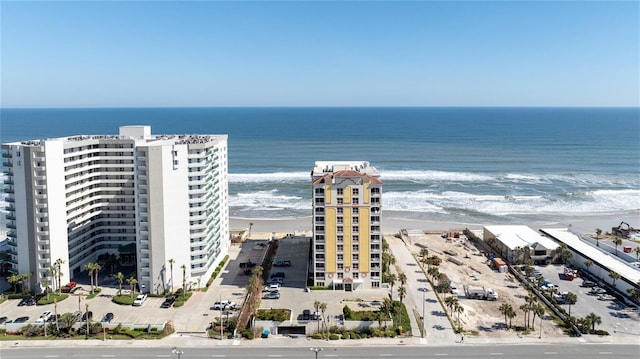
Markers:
point(177, 352)
point(316, 350)
point(86, 336)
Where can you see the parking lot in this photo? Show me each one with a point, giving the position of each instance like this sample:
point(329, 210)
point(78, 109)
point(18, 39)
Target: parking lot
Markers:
point(617, 318)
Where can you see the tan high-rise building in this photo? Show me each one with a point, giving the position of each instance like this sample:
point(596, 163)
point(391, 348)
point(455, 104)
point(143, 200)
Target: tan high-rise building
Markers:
point(347, 243)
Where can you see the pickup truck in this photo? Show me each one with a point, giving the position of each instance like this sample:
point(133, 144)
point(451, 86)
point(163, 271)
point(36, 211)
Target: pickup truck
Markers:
point(225, 304)
point(282, 263)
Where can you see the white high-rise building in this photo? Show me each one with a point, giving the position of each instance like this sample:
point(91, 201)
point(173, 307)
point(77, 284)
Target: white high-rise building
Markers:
point(155, 201)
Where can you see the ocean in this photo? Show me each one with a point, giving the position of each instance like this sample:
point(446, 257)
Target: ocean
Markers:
point(463, 165)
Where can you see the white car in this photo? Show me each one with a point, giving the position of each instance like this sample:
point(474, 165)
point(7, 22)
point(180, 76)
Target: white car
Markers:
point(454, 290)
point(43, 317)
point(139, 300)
point(225, 304)
point(607, 297)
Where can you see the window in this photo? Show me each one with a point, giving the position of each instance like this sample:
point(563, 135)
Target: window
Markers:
point(340, 219)
point(355, 219)
point(319, 190)
point(340, 257)
point(319, 228)
point(340, 201)
point(355, 239)
point(375, 284)
point(340, 239)
point(355, 201)
point(340, 229)
point(340, 191)
point(355, 210)
point(355, 192)
point(355, 275)
point(320, 248)
point(355, 266)
point(356, 257)
point(340, 248)
point(354, 229)
point(340, 210)
point(340, 275)
point(340, 266)
point(355, 247)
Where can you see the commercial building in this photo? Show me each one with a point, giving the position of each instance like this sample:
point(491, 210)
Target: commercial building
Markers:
point(347, 243)
point(155, 201)
point(520, 243)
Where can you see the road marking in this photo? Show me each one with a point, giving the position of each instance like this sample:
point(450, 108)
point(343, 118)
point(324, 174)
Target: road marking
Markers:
point(441, 354)
point(550, 353)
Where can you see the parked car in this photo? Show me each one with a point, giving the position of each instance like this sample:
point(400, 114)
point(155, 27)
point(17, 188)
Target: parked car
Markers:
point(306, 314)
point(77, 314)
point(282, 263)
point(87, 316)
point(272, 288)
point(454, 289)
point(107, 318)
point(607, 297)
point(277, 275)
point(272, 295)
point(598, 290)
point(225, 304)
point(168, 302)
point(277, 280)
point(588, 284)
point(69, 287)
point(53, 318)
point(27, 301)
point(139, 300)
point(3, 319)
point(21, 319)
point(43, 317)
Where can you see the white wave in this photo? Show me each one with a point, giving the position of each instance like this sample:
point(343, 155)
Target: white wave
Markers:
point(431, 176)
point(269, 200)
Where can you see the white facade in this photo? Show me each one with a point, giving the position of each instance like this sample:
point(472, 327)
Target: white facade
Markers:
point(75, 198)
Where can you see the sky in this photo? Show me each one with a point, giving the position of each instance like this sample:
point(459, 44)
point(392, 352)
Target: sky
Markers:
point(319, 53)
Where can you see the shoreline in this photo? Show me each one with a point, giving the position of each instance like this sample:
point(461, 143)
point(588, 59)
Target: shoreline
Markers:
point(395, 221)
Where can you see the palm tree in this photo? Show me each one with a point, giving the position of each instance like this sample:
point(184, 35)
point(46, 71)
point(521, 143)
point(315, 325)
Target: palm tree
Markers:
point(402, 292)
point(424, 252)
point(458, 309)
point(539, 310)
point(51, 272)
point(184, 279)
point(323, 309)
point(598, 233)
point(120, 278)
point(617, 241)
point(525, 308)
point(14, 279)
point(402, 278)
point(96, 271)
point(511, 314)
point(571, 299)
point(27, 278)
point(392, 281)
point(90, 268)
point(504, 308)
point(594, 319)
point(588, 263)
point(634, 292)
point(132, 284)
point(614, 276)
point(450, 302)
point(171, 261)
point(46, 284)
point(58, 265)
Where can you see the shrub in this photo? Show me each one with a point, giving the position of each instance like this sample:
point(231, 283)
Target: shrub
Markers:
point(346, 311)
point(52, 298)
point(94, 293)
point(247, 333)
point(334, 337)
point(123, 299)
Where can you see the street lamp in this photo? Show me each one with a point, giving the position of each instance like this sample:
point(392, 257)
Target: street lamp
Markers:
point(177, 352)
point(423, 318)
point(316, 350)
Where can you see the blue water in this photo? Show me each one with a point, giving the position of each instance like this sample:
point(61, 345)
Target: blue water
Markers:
point(476, 164)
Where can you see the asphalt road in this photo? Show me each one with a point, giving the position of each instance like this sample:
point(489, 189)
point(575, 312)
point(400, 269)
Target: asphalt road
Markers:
point(581, 351)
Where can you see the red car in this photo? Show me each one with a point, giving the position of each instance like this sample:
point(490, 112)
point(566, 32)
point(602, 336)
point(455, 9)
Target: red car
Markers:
point(69, 287)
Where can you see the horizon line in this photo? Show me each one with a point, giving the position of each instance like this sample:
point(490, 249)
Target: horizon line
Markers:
point(303, 106)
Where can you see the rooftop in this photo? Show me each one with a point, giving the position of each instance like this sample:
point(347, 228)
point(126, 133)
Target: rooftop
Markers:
point(514, 236)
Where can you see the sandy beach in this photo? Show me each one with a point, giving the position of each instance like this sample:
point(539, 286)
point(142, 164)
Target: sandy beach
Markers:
point(392, 222)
